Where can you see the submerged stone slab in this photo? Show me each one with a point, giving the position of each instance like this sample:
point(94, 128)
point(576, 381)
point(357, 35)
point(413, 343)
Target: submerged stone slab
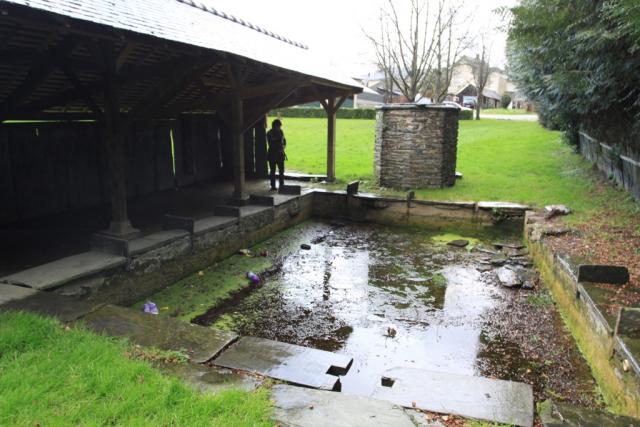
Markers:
point(474, 397)
point(286, 362)
point(211, 379)
point(65, 309)
point(613, 274)
point(11, 293)
point(165, 333)
point(65, 270)
point(295, 406)
point(554, 414)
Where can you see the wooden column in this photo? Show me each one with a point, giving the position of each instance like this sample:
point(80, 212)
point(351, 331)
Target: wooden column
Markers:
point(260, 140)
point(113, 134)
point(331, 143)
point(331, 106)
point(240, 193)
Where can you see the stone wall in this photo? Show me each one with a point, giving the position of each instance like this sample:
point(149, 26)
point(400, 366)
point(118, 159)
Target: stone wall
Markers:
point(416, 146)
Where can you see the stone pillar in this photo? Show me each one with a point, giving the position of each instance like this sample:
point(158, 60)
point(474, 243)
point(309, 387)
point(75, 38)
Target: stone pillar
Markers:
point(416, 146)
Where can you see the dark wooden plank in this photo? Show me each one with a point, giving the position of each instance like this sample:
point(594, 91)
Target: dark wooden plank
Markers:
point(8, 209)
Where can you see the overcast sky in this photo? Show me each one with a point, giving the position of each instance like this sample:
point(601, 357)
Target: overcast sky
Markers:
point(334, 29)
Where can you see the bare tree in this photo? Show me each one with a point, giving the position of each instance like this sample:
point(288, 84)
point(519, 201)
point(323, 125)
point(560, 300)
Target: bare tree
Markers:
point(405, 52)
point(453, 37)
point(480, 68)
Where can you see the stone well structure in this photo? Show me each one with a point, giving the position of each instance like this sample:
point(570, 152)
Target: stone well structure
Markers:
point(416, 146)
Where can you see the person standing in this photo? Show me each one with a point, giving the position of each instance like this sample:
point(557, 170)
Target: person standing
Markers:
point(275, 154)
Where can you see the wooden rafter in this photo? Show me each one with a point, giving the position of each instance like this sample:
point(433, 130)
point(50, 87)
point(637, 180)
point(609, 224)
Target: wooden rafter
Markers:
point(42, 67)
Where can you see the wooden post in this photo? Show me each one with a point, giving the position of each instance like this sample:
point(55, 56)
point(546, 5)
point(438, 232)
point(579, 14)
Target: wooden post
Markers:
point(240, 193)
point(113, 133)
point(331, 106)
point(331, 140)
point(260, 141)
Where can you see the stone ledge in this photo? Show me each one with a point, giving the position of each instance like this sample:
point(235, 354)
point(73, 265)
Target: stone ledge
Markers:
point(593, 331)
point(65, 270)
point(155, 240)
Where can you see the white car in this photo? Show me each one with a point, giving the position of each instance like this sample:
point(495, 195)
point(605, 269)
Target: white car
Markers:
point(455, 104)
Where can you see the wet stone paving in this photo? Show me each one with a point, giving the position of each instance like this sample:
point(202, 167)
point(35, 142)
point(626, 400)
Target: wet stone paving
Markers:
point(397, 297)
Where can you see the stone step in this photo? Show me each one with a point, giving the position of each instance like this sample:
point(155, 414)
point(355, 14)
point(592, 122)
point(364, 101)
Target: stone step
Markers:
point(286, 362)
point(65, 270)
point(296, 406)
point(202, 344)
point(64, 308)
point(13, 293)
point(473, 397)
point(213, 223)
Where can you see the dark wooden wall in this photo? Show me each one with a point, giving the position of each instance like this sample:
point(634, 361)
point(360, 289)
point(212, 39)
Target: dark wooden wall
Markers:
point(48, 168)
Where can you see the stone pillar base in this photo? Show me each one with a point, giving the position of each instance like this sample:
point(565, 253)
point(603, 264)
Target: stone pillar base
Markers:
point(121, 230)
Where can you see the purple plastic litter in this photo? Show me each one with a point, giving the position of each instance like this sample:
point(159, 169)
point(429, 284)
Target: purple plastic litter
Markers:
point(255, 279)
point(150, 307)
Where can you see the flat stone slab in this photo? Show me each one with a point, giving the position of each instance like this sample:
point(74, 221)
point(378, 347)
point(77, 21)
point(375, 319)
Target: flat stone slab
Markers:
point(210, 379)
point(295, 406)
point(202, 344)
point(554, 414)
point(155, 240)
point(503, 205)
point(213, 223)
point(613, 274)
point(249, 210)
point(65, 309)
point(11, 293)
point(473, 397)
point(59, 272)
point(628, 322)
point(286, 362)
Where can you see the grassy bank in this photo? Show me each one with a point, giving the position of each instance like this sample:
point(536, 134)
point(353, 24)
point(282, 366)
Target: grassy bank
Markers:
point(52, 375)
point(500, 160)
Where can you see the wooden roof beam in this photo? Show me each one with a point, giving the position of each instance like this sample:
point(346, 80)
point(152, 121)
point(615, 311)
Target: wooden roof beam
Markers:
point(41, 69)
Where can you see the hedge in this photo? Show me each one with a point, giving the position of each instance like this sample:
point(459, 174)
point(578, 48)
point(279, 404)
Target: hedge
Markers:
point(465, 115)
point(310, 112)
point(343, 113)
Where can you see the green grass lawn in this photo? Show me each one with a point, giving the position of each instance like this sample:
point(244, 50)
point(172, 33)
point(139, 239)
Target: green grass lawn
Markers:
point(500, 160)
point(53, 376)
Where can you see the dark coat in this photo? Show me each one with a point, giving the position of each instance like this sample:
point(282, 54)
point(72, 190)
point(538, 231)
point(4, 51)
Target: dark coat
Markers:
point(277, 144)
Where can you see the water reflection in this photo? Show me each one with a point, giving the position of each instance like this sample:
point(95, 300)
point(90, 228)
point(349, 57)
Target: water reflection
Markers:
point(344, 293)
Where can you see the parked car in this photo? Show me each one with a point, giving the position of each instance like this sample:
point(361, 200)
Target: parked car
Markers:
point(469, 101)
point(455, 104)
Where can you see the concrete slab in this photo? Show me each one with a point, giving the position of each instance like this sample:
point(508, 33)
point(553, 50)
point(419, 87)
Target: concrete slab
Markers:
point(502, 205)
point(65, 309)
point(165, 333)
point(474, 397)
point(65, 270)
point(11, 293)
point(295, 406)
point(286, 362)
point(155, 240)
point(210, 379)
point(213, 223)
